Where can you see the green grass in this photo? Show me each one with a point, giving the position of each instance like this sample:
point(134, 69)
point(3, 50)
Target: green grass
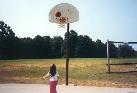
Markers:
point(123, 60)
point(82, 71)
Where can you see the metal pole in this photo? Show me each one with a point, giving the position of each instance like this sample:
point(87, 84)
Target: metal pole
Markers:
point(67, 54)
point(108, 56)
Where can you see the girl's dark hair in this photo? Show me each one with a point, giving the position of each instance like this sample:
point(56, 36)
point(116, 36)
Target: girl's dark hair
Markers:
point(52, 70)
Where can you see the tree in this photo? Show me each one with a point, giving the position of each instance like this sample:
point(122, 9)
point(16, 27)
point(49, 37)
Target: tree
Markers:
point(26, 48)
point(73, 43)
point(7, 41)
point(56, 47)
point(125, 51)
point(112, 50)
point(84, 47)
point(42, 47)
point(72, 40)
point(100, 49)
point(12, 47)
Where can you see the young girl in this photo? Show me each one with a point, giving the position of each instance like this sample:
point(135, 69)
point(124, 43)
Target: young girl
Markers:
point(53, 74)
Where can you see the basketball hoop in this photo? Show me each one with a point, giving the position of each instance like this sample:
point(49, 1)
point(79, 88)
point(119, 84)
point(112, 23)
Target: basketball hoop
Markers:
point(63, 13)
point(62, 21)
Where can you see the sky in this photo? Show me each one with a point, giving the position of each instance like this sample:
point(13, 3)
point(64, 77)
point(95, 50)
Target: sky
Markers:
point(99, 19)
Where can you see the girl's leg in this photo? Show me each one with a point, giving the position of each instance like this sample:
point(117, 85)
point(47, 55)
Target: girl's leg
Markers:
point(53, 85)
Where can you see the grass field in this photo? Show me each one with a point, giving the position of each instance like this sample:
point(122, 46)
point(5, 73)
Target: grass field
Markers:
point(82, 71)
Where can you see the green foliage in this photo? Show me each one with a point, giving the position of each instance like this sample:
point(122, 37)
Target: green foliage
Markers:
point(126, 51)
point(113, 50)
point(7, 41)
point(12, 47)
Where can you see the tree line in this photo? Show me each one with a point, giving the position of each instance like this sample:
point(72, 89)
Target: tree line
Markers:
point(80, 46)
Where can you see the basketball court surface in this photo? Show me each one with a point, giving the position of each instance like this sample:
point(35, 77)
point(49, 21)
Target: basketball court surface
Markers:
point(41, 88)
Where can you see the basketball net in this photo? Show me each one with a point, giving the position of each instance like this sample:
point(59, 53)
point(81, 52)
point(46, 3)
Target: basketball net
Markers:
point(61, 25)
point(62, 21)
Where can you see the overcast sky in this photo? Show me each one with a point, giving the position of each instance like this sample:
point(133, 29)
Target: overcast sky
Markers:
point(100, 19)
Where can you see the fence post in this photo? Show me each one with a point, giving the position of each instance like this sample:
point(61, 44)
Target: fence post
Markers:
point(108, 56)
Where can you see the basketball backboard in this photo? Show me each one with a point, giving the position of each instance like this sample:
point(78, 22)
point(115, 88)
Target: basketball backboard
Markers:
point(63, 13)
